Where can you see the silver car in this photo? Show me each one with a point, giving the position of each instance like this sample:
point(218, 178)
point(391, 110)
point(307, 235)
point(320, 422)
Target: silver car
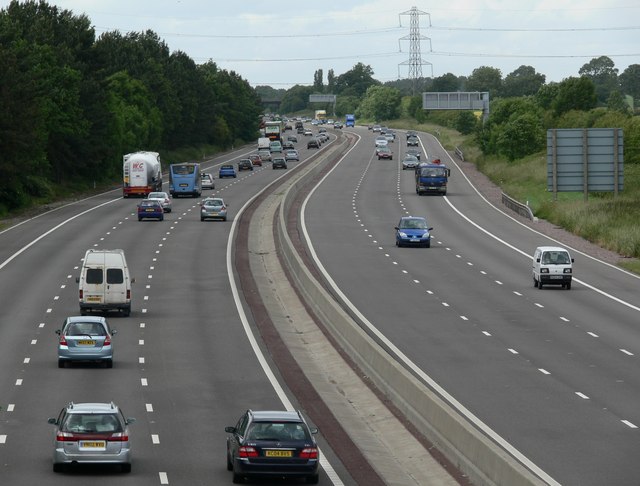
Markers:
point(85, 338)
point(213, 208)
point(91, 433)
point(163, 199)
point(207, 181)
point(409, 162)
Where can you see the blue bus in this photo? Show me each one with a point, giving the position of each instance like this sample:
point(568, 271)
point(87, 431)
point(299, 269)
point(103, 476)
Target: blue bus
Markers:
point(184, 179)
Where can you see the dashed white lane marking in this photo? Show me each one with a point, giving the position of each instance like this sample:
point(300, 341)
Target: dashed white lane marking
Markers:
point(19, 382)
point(34, 341)
point(445, 304)
point(517, 293)
point(155, 438)
point(143, 381)
point(49, 311)
point(142, 325)
point(539, 305)
point(26, 360)
point(582, 395)
point(141, 359)
point(464, 318)
point(564, 319)
point(3, 439)
point(629, 424)
point(149, 407)
point(11, 407)
point(141, 342)
point(543, 371)
point(486, 333)
point(56, 297)
point(592, 334)
point(628, 353)
point(164, 479)
point(513, 351)
point(41, 325)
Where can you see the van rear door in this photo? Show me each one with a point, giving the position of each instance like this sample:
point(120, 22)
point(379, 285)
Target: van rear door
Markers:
point(115, 289)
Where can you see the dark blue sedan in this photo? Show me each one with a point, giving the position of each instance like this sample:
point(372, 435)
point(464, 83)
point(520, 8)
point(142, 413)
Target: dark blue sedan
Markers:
point(413, 231)
point(227, 170)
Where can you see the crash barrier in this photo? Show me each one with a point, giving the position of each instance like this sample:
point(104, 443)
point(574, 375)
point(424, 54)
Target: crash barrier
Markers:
point(459, 154)
point(522, 209)
point(470, 450)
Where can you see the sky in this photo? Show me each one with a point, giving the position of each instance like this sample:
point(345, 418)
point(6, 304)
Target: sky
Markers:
point(280, 44)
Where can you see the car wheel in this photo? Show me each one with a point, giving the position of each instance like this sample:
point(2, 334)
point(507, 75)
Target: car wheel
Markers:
point(535, 283)
point(58, 467)
point(126, 468)
point(61, 364)
point(109, 363)
point(569, 286)
point(229, 463)
point(201, 219)
point(224, 219)
point(540, 284)
point(237, 478)
point(313, 479)
point(139, 219)
point(126, 312)
point(427, 244)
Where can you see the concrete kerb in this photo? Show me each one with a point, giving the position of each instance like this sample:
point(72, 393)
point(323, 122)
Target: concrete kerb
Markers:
point(476, 455)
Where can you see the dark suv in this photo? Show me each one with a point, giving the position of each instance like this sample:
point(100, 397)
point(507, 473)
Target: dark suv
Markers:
point(313, 143)
point(272, 443)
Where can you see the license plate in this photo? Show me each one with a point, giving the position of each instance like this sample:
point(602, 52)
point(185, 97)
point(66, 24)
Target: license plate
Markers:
point(94, 298)
point(150, 210)
point(184, 185)
point(86, 342)
point(413, 240)
point(278, 453)
point(97, 444)
point(556, 277)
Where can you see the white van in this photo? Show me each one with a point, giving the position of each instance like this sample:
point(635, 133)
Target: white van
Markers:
point(104, 282)
point(552, 265)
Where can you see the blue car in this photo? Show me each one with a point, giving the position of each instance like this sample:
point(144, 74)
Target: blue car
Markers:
point(227, 171)
point(150, 208)
point(413, 231)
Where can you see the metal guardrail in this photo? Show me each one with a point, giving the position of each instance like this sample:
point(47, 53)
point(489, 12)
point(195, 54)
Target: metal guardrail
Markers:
point(459, 154)
point(518, 207)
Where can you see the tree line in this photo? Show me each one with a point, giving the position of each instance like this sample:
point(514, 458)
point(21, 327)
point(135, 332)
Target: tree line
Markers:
point(72, 103)
point(523, 105)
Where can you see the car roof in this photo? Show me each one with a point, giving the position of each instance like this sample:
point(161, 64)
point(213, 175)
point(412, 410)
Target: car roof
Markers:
point(551, 248)
point(412, 217)
point(86, 319)
point(280, 415)
point(93, 407)
point(226, 166)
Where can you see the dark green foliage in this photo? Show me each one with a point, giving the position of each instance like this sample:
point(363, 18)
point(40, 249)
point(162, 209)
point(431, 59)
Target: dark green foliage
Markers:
point(466, 122)
point(485, 78)
point(72, 105)
point(524, 81)
point(603, 74)
point(574, 94)
point(446, 82)
point(630, 81)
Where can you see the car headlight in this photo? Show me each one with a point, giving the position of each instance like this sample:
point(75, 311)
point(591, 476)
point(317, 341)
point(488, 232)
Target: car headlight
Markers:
point(567, 270)
point(402, 234)
point(544, 270)
point(426, 234)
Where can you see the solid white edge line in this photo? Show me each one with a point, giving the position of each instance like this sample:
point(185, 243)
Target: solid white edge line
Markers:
point(403, 358)
point(324, 463)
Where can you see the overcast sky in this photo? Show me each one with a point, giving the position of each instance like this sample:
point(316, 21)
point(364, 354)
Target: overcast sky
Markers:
point(277, 43)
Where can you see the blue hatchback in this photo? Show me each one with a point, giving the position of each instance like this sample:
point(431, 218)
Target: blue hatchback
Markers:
point(413, 231)
point(227, 170)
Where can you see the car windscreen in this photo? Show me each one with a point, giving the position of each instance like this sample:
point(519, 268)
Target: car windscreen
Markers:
point(91, 423)
point(433, 172)
point(278, 431)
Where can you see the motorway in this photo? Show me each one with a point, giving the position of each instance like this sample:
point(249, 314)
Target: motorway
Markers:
point(183, 365)
point(551, 375)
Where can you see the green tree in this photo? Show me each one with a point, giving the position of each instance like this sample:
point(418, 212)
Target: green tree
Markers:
point(296, 99)
point(446, 83)
point(356, 81)
point(630, 81)
point(466, 122)
point(380, 103)
point(523, 135)
point(617, 102)
point(317, 81)
point(523, 81)
point(602, 71)
point(331, 81)
point(486, 78)
point(574, 94)
point(546, 94)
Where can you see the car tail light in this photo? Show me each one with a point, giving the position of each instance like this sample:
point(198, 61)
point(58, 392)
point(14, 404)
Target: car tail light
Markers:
point(107, 341)
point(309, 453)
point(128, 294)
point(247, 451)
point(80, 293)
point(119, 437)
point(63, 340)
point(65, 437)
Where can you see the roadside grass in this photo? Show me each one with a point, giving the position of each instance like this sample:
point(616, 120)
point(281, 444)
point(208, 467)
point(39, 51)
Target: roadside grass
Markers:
point(612, 222)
